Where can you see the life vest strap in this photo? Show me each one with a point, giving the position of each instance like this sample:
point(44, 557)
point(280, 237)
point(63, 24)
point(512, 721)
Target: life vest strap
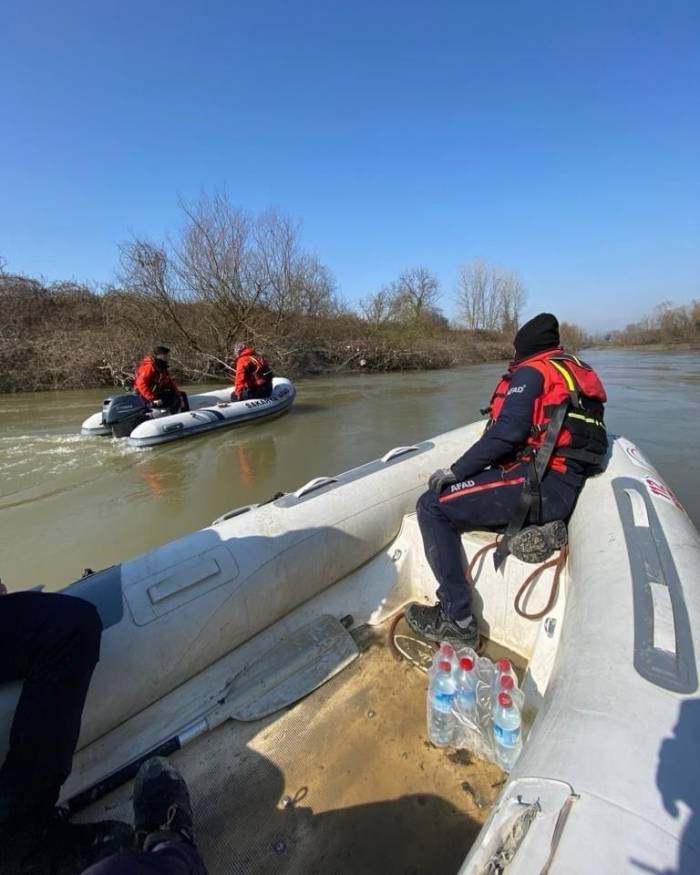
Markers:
point(539, 460)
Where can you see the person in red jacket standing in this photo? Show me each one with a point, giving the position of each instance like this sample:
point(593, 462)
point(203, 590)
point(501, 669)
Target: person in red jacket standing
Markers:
point(252, 374)
point(155, 385)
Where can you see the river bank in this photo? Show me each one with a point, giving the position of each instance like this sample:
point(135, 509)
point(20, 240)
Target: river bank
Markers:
point(69, 336)
point(680, 346)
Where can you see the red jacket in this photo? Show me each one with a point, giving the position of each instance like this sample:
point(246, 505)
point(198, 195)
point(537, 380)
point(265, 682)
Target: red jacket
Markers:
point(151, 382)
point(251, 371)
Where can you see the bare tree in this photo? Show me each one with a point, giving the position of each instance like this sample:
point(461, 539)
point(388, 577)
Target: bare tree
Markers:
point(416, 294)
point(380, 308)
point(249, 277)
point(488, 298)
point(513, 297)
point(473, 290)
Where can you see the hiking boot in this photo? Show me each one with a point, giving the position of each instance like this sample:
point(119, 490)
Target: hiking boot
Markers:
point(537, 543)
point(432, 623)
point(162, 807)
point(58, 847)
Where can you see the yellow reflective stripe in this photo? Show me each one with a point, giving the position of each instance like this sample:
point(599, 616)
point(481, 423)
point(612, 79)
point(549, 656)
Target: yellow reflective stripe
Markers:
point(587, 419)
point(577, 360)
point(565, 374)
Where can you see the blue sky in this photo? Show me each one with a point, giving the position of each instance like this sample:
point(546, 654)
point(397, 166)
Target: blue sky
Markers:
point(561, 140)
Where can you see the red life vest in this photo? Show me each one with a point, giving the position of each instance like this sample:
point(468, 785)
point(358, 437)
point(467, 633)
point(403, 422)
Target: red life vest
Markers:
point(151, 381)
point(573, 385)
point(261, 375)
point(252, 371)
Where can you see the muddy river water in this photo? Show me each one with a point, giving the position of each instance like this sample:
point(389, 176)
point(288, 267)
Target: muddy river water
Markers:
point(68, 502)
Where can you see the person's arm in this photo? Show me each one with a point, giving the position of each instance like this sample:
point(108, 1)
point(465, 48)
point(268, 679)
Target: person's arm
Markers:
point(146, 379)
point(510, 431)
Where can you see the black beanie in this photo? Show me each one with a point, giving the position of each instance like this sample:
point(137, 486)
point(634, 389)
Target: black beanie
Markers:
point(161, 350)
point(539, 334)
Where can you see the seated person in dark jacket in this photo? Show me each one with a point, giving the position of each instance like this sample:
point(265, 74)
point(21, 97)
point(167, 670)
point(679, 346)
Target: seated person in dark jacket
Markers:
point(484, 487)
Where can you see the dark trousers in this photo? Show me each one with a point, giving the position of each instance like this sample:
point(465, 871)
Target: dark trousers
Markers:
point(172, 858)
point(52, 643)
point(247, 394)
point(485, 501)
point(176, 402)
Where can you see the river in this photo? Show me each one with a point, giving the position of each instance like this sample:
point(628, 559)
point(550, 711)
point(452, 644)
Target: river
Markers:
point(69, 502)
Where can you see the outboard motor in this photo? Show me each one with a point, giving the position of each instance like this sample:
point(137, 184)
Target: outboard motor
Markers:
point(123, 413)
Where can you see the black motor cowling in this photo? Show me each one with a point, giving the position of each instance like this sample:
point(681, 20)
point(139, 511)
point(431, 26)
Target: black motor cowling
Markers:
point(123, 413)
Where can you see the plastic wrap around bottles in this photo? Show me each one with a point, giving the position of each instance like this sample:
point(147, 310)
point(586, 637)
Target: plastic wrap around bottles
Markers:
point(474, 703)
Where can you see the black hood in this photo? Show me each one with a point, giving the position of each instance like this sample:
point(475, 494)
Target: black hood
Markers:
point(538, 335)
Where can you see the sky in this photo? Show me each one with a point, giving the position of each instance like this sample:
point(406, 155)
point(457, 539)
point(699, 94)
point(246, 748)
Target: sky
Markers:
point(558, 140)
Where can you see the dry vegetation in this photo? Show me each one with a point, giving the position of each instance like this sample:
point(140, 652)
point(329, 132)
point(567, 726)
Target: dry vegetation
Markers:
point(227, 276)
point(667, 325)
point(230, 276)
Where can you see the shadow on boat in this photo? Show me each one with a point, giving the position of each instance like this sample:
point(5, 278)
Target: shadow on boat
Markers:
point(245, 822)
point(678, 780)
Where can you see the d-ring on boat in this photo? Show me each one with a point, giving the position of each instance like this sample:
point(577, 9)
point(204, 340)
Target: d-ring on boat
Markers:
point(208, 637)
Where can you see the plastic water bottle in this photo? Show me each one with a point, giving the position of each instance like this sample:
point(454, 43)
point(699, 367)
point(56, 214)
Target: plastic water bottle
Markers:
point(504, 668)
point(441, 696)
point(465, 694)
point(506, 683)
point(506, 731)
point(446, 653)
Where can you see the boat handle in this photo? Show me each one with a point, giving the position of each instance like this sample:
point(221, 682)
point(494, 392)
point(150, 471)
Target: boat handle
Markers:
point(232, 513)
point(397, 451)
point(316, 483)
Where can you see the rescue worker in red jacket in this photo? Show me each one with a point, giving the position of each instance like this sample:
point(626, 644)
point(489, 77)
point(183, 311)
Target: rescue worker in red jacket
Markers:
point(545, 435)
point(252, 374)
point(155, 385)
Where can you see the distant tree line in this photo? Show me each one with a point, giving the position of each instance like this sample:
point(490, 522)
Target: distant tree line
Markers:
point(667, 324)
point(229, 275)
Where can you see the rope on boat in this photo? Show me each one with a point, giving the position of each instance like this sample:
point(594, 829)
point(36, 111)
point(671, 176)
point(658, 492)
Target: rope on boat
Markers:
point(557, 563)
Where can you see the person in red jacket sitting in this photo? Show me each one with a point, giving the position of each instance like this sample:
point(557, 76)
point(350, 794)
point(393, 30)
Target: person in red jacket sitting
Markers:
point(252, 374)
point(155, 385)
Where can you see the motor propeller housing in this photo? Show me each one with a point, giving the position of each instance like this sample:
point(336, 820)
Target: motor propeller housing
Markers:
point(123, 413)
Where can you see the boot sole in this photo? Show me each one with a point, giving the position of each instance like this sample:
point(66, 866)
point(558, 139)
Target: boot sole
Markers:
point(537, 543)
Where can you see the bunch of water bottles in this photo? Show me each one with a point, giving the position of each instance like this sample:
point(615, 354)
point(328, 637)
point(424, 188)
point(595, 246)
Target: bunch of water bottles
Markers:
point(475, 703)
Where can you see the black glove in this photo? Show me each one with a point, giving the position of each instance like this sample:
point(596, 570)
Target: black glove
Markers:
point(441, 478)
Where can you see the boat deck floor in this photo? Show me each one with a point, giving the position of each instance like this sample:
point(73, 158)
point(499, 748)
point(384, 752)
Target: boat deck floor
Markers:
point(343, 782)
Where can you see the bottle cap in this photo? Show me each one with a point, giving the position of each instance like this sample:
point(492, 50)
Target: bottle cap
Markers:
point(447, 650)
point(506, 682)
point(466, 663)
point(505, 700)
point(503, 665)
point(444, 665)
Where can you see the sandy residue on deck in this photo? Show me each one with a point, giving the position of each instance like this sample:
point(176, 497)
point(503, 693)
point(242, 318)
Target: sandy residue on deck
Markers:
point(368, 792)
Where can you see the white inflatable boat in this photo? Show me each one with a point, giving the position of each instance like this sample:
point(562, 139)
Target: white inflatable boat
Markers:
point(208, 411)
point(228, 624)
